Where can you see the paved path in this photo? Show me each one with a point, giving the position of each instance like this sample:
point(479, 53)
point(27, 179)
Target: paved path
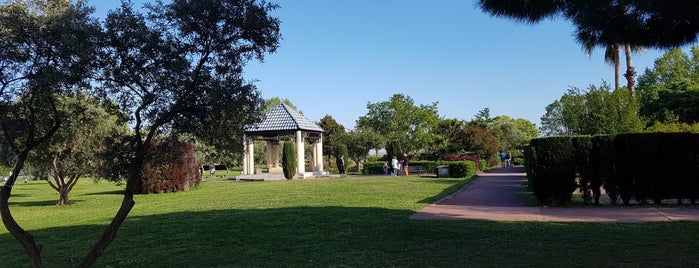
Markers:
point(497, 196)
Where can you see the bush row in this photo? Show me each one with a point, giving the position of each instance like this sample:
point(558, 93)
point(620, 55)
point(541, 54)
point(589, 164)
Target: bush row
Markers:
point(457, 169)
point(643, 166)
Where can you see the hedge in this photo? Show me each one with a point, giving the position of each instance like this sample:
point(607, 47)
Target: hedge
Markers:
point(643, 166)
point(457, 169)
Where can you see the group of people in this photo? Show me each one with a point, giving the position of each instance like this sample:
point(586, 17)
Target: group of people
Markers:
point(505, 159)
point(395, 166)
point(212, 170)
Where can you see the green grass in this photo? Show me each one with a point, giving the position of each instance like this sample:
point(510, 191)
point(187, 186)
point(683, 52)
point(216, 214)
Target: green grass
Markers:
point(347, 222)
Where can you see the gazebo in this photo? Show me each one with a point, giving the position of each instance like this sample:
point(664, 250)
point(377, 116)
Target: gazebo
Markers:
point(282, 123)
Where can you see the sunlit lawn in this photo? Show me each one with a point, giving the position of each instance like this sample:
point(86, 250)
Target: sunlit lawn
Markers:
point(345, 222)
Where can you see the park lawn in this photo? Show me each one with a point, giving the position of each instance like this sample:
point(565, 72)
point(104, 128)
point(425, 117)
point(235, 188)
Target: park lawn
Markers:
point(344, 222)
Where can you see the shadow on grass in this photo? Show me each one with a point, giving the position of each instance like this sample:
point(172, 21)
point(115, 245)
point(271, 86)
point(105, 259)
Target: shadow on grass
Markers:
point(354, 237)
point(115, 192)
point(41, 203)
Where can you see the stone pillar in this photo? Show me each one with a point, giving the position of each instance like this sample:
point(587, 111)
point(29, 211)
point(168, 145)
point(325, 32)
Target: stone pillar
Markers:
point(273, 157)
point(246, 168)
point(250, 159)
point(300, 157)
point(319, 152)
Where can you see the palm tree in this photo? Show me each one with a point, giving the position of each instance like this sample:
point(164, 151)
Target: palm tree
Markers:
point(611, 56)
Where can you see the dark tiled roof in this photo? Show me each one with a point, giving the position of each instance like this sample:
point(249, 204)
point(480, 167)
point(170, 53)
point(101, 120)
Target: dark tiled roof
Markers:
point(283, 118)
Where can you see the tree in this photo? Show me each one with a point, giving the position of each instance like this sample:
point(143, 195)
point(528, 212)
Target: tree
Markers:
point(359, 143)
point(657, 24)
point(179, 70)
point(72, 151)
point(483, 118)
point(332, 130)
point(445, 133)
point(274, 102)
point(628, 24)
point(401, 122)
point(597, 111)
point(513, 133)
point(669, 92)
point(47, 48)
point(479, 140)
point(288, 160)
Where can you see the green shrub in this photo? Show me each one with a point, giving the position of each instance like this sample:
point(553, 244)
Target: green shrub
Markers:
point(289, 160)
point(461, 169)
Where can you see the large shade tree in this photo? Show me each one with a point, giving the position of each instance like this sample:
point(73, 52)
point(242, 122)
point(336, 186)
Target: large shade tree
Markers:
point(332, 133)
point(669, 92)
point(599, 110)
point(513, 133)
point(404, 125)
point(47, 49)
point(178, 69)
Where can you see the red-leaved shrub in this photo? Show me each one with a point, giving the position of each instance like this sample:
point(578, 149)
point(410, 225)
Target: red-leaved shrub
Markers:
point(170, 166)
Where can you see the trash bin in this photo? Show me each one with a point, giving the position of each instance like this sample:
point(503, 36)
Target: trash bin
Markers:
point(443, 171)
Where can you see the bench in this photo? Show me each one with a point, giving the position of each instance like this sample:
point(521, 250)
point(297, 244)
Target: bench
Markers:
point(413, 169)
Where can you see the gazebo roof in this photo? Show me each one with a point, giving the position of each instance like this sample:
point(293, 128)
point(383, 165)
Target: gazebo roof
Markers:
point(283, 118)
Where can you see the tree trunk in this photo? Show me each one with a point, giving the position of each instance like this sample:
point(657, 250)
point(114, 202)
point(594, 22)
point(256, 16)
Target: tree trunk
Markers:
point(630, 72)
point(617, 66)
point(24, 237)
point(109, 234)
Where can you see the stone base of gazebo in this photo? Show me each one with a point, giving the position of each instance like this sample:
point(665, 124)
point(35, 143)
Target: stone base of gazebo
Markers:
point(280, 176)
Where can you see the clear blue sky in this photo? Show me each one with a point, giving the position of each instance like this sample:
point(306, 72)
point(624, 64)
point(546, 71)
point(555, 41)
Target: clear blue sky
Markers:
point(339, 55)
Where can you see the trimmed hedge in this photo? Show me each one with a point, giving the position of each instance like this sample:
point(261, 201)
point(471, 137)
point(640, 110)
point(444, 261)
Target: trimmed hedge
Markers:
point(457, 169)
point(644, 166)
point(289, 160)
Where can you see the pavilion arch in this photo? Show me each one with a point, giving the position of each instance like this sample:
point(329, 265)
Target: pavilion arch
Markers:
point(283, 123)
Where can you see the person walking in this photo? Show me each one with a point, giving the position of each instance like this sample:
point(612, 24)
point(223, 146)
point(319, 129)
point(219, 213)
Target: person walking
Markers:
point(502, 158)
point(405, 164)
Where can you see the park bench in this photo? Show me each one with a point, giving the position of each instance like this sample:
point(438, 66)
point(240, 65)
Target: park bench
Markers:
point(414, 169)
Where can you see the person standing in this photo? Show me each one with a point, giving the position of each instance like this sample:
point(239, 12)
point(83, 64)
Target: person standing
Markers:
point(394, 166)
point(212, 170)
point(340, 164)
point(405, 164)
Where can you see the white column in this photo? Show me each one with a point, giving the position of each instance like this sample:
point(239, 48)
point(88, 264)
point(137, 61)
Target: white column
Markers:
point(300, 157)
point(319, 144)
point(251, 156)
point(245, 155)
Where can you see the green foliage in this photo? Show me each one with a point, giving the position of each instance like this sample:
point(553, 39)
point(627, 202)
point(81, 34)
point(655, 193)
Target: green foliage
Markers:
point(461, 169)
point(644, 166)
point(669, 92)
point(400, 121)
point(599, 110)
point(171, 166)
point(513, 133)
point(332, 134)
point(74, 150)
point(445, 133)
point(552, 171)
point(457, 169)
point(289, 160)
